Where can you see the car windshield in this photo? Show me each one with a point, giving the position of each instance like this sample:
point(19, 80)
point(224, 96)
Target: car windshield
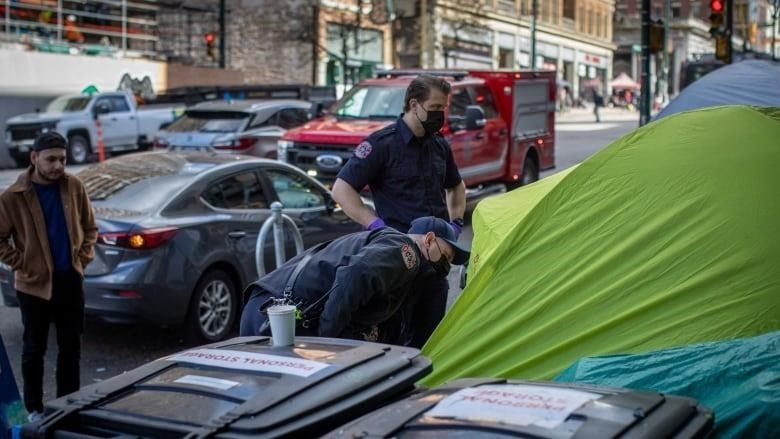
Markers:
point(138, 183)
point(65, 104)
point(210, 122)
point(371, 101)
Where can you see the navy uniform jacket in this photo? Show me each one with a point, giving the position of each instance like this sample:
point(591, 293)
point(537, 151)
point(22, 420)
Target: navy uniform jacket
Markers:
point(368, 274)
point(407, 175)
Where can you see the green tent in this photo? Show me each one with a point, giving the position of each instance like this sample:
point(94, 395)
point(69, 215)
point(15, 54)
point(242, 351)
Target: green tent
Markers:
point(667, 237)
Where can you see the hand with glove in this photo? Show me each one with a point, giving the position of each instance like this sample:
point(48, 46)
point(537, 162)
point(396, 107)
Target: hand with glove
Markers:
point(457, 226)
point(377, 223)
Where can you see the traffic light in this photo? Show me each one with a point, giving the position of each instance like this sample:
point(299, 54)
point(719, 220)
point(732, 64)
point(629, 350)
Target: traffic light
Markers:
point(209, 38)
point(722, 48)
point(657, 36)
point(716, 17)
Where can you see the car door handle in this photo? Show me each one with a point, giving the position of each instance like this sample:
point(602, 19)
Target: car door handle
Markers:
point(502, 132)
point(236, 234)
point(480, 136)
point(132, 117)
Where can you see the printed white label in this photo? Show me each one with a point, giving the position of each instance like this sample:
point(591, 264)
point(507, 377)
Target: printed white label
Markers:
point(200, 380)
point(516, 404)
point(250, 361)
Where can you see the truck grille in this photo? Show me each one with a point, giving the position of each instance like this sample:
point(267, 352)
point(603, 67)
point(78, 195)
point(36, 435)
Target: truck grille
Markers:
point(324, 159)
point(25, 132)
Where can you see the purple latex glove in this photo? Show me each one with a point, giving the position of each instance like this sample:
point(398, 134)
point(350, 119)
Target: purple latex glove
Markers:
point(456, 228)
point(377, 223)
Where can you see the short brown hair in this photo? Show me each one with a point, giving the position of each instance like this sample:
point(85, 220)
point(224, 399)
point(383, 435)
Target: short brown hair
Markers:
point(420, 88)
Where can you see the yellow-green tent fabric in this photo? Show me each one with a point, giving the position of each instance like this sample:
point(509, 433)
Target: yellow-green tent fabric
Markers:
point(667, 237)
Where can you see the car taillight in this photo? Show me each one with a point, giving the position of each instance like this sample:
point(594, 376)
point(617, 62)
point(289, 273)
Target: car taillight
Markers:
point(237, 144)
point(160, 143)
point(139, 239)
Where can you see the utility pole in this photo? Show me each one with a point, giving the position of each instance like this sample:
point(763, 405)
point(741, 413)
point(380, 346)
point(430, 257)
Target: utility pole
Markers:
point(222, 34)
point(730, 30)
point(665, 49)
point(644, 103)
point(534, 12)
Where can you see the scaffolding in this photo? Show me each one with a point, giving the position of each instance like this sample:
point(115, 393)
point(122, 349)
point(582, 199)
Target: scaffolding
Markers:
point(164, 30)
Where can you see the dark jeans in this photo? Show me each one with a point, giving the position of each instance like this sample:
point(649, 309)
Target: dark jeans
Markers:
point(428, 310)
point(66, 311)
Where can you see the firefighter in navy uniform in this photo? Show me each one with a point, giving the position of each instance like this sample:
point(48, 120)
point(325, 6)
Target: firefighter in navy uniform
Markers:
point(411, 172)
point(358, 286)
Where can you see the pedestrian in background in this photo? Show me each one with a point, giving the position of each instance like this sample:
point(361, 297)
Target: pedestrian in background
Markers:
point(598, 102)
point(47, 236)
point(411, 172)
point(359, 286)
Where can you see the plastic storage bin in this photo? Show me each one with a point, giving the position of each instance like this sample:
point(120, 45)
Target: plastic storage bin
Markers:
point(243, 387)
point(497, 408)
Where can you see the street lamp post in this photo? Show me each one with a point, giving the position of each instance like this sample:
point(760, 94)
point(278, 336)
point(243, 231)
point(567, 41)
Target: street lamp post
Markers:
point(534, 11)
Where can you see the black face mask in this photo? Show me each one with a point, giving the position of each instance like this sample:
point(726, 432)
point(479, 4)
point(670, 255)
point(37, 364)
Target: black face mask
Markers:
point(442, 267)
point(433, 122)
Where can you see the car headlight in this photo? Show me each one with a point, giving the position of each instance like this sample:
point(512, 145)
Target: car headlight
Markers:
point(281, 149)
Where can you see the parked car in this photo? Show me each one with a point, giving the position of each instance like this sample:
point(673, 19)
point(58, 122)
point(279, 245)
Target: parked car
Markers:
point(123, 126)
point(249, 127)
point(177, 235)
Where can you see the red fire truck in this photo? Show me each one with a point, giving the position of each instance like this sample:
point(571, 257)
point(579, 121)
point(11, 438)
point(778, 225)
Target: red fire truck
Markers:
point(500, 125)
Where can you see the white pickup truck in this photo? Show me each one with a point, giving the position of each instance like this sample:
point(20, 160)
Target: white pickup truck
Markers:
point(124, 127)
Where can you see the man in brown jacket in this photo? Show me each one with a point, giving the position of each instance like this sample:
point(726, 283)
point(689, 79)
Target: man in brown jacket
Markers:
point(47, 236)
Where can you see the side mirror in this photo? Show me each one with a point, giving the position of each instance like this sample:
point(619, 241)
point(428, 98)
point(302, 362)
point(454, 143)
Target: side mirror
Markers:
point(330, 204)
point(101, 108)
point(475, 118)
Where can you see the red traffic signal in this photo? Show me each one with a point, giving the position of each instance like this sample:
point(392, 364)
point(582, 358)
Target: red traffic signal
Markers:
point(209, 37)
point(716, 6)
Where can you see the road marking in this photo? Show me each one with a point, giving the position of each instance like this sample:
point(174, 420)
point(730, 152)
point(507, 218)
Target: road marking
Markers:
point(590, 126)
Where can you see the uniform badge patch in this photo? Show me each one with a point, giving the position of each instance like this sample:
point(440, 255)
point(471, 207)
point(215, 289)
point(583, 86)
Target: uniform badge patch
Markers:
point(410, 257)
point(363, 150)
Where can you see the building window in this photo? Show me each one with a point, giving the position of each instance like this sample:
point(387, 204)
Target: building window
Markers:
point(695, 10)
point(568, 9)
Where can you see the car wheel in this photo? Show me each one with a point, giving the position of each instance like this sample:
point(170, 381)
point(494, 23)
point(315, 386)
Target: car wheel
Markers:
point(78, 149)
point(530, 174)
point(530, 171)
point(213, 308)
point(22, 160)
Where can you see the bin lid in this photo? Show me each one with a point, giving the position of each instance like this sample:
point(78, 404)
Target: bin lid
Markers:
point(496, 408)
point(246, 386)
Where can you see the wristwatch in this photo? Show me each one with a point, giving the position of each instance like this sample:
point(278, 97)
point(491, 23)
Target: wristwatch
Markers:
point(458, 221)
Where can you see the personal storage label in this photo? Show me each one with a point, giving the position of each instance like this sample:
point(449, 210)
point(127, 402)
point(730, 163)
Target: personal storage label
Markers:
point(230, 359)
point(513, 404)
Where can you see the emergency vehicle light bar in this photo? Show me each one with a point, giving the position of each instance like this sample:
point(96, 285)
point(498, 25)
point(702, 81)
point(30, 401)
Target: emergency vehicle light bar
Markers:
point(394, 73)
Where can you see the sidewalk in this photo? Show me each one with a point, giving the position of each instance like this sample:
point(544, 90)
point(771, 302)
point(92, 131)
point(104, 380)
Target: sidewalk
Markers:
point(580, 115)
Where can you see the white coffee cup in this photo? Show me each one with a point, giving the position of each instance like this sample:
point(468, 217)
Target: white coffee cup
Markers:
point(282, 319)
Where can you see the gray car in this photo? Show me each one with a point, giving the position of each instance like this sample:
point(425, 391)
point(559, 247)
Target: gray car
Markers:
point(177, 235)
point(249, 127)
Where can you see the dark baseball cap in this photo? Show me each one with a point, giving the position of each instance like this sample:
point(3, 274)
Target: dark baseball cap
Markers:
point(49, 140)
point(443, 230)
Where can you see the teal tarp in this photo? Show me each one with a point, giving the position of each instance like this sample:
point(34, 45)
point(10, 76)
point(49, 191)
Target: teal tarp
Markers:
point(738, 379)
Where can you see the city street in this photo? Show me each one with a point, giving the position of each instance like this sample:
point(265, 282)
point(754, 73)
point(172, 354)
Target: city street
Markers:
point(109, 350)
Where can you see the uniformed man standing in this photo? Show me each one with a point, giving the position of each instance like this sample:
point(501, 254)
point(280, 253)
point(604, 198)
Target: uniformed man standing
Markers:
point(360, 285)
point(410, 170)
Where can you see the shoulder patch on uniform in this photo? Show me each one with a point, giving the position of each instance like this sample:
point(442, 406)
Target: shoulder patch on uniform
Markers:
point(409, 256)
point(363, 150)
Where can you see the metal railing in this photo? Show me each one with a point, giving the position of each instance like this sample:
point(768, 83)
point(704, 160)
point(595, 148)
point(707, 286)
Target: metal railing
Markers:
point(276, 222)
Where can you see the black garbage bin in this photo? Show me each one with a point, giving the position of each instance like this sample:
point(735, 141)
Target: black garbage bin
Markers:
point(480, 408)
point(243, 387)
